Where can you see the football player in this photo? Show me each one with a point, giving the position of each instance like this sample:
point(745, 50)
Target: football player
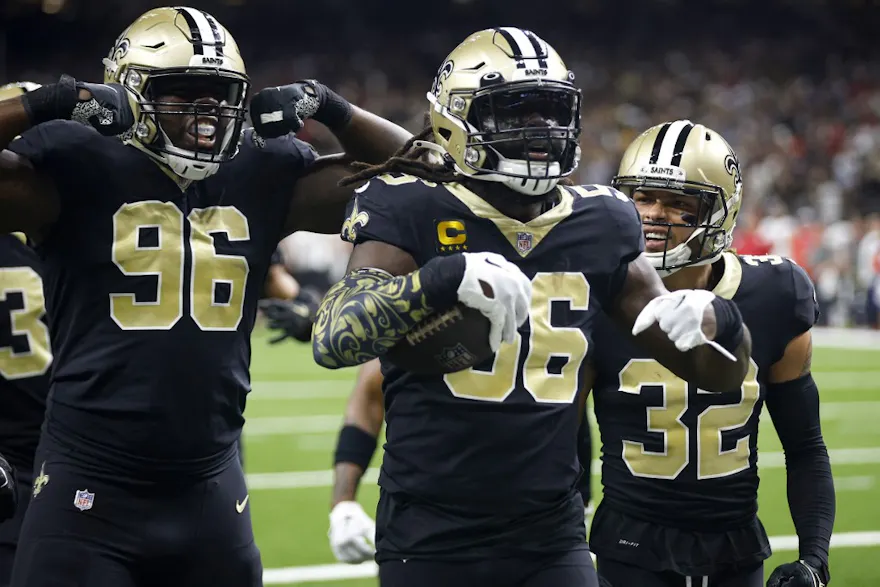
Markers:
point(480, 465)
point(25, 362)
point(156, 218)
point(352, 530)
point(679, 464)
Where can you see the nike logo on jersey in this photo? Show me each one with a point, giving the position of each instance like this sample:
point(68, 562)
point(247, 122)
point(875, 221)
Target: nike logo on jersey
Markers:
point(240, 505)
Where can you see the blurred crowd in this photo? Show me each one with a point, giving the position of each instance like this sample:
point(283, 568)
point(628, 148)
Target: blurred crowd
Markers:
point(802, 113)
point(807, 133)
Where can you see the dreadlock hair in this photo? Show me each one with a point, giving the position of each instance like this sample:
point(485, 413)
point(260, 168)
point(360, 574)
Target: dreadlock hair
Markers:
point(406, 160)
point(409, 160)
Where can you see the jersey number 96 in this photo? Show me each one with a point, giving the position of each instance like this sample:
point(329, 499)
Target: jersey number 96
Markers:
point(163, 257)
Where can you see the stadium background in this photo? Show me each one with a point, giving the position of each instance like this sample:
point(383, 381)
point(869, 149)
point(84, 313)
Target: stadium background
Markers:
point(794, 86)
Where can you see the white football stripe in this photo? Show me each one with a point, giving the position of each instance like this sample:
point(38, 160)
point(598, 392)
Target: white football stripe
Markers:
point(205, 30)
point(668, 147)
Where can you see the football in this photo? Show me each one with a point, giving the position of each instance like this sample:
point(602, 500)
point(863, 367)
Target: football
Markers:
point(444, 343)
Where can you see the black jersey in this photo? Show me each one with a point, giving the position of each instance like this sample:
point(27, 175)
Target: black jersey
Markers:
point(25, 355)
point(151, 289)
point(679, 456)
point(484, 461)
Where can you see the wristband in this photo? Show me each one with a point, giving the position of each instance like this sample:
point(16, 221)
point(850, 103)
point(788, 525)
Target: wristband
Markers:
point(52, 101)
point(335, 111)
point(728, 324)
point(355, 446)
point(440, 278)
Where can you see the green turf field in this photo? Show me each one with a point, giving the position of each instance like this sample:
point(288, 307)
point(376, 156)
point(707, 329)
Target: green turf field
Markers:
point(295, 411)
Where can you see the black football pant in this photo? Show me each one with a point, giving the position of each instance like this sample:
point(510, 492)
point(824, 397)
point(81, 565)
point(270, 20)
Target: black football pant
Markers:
point(619, 574)
point(121, 535)
point(9, 530)
point(570, 569)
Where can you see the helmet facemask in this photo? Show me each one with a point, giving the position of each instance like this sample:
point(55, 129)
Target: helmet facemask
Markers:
point(523, 134)
point(190, 118)
point(708, 239)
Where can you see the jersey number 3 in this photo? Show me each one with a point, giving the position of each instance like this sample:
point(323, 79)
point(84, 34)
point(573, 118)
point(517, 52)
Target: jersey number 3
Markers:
point(25, 321)
point(216, 282)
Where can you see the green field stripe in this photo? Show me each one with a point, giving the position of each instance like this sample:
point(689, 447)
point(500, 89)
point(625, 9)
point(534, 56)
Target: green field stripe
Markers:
point(300, 479)
point(293, 425)
point(299, 390)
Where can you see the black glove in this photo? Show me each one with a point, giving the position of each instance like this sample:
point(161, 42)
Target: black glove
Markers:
point(283, 109)
point(796, 574)
point(293, 318)
point(8, 490)
point(108, 108)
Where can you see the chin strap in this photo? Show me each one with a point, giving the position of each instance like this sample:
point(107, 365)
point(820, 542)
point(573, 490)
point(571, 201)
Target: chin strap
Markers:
point(522, 185)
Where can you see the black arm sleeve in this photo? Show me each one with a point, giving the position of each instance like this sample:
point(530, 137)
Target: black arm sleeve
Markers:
point(794, 408)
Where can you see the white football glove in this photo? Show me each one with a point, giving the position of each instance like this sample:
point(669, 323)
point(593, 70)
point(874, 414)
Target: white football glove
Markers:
point(680, 315)
point(511, 294)
point(352, 533)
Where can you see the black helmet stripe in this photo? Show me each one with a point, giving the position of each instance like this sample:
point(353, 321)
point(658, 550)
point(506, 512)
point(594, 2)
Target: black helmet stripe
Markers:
point(670, 143)
point(206, 38)
point(658, 142)
point(218, 38)
point(523, 45)
point(540, 51)
point(680, 143)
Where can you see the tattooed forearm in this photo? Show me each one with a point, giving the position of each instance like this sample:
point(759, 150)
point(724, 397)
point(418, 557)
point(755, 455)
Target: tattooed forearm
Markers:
point(365, 314)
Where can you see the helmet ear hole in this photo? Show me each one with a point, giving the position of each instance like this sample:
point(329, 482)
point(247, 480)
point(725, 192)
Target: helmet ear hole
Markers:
point(491, 79)
point(445, 133)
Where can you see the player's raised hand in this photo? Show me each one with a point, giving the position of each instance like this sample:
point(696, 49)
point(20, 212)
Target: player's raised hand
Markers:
point(291, 318)
point(681, 315)
point(284, 109)
point(352, 533)
point(8, 490)
point(105, 107)
point(499, 290)
point(796, 574)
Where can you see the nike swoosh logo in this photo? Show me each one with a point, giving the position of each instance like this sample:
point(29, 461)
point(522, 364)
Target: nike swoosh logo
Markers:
point(239, 506)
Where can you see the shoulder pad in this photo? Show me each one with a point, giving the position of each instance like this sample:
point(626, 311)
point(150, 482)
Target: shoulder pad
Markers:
point(798, 307)
point(622, 223)
point(53, 140)
point(385, 209)
point(805, 304)
point(283, 146)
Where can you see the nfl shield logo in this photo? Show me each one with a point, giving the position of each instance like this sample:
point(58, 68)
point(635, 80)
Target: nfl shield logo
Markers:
point(83, 499)
point(524, 242)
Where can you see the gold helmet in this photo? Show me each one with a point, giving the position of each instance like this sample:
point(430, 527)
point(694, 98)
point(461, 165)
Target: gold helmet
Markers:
point(693, 160)
point(505, 109)
point(188, 83)
point(16, 89)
